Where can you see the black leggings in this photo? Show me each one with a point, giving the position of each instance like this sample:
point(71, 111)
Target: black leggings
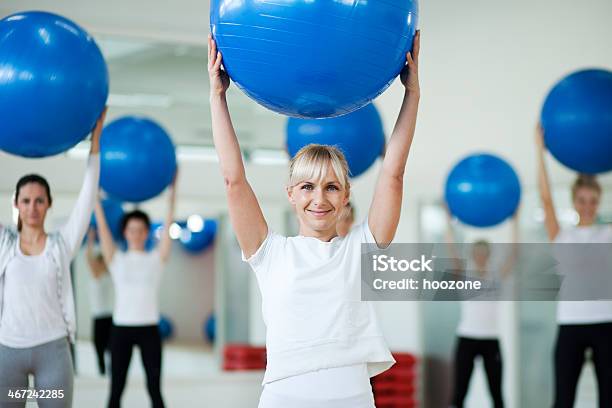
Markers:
point(467, 350)
point(572, 342)
point(101, 335)
point(123, 339)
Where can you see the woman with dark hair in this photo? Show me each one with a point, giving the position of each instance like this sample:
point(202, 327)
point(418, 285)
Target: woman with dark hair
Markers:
point(136, 276)
point(37, 315)
point(583, 324)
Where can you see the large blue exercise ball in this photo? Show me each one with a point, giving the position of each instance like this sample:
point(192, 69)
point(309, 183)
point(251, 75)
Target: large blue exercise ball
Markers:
point(138, 159)
point(482, 190)
point(359, 135)
point(317, 58)
point(196, 240)
point(113, 212)
point(166, 328)
point(53, 84)
point(577, 121)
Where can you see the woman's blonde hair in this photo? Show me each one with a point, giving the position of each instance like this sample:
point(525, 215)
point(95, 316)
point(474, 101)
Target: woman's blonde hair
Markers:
point(311, 162)
point(585, 181)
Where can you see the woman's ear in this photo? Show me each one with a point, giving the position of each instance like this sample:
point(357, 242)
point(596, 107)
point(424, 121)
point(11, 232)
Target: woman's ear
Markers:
point(347, 198)
point(289, 190)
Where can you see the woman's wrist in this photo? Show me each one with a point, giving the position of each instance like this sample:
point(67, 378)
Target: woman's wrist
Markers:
point(413, 92)
point(217, 96)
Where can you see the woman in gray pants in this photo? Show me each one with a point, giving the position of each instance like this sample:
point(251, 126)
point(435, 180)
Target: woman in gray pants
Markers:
point(37, 316)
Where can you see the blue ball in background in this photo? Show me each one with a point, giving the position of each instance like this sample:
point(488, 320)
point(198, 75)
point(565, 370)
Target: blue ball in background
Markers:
point(197, 241)
point(359, 135)
point(577, 121)
point(166, 328)
point(313, 59)
point(113, 211)
point(210, 328)
point(138, 159)
point(53, 84)
point(482, 190)
point(154, 233)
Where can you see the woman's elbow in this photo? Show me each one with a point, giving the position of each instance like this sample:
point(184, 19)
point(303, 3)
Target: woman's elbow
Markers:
point(396, 182)
point(394, 173)
point(233, 181)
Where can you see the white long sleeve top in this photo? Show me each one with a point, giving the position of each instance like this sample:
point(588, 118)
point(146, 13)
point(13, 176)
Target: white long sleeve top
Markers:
point(61, 247)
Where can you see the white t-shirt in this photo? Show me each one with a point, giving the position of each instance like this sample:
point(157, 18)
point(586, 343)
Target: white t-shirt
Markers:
point(136, 277)
point(32, 312)
point(312, 308)
point(587, 311)
point(478, 319)
point(101, 296)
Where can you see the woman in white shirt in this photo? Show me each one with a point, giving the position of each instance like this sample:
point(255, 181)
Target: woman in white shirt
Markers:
point(101, 301)
point(136, 276)
point(583, 324)
point(322, 342)
point(478, 331)
point(37, 316)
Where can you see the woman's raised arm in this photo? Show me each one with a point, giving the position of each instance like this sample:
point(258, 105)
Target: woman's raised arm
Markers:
point(78, 221)
point(385, 209)
point(550, 217)
point(245, 213)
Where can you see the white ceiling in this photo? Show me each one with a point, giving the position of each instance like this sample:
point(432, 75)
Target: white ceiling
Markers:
point(183, 21)
point(169, 83)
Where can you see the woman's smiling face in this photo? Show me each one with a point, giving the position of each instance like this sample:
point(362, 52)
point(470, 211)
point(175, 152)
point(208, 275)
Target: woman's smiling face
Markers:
point(318, 203)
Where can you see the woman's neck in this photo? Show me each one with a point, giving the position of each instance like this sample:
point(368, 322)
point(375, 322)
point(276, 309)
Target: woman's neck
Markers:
point(324, 236)
point(32, 234)
point(136, 249)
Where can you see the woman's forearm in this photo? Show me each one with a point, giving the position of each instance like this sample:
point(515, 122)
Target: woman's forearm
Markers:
point(74, 230)
point(225, 140)
point(402, 136)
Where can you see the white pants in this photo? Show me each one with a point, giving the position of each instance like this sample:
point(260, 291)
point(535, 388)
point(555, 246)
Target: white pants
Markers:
point(271, 400)
point(338, 387)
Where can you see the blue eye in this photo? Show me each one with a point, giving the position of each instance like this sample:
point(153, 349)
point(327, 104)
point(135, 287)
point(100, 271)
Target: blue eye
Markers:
point(333, 187)
point(307, 187)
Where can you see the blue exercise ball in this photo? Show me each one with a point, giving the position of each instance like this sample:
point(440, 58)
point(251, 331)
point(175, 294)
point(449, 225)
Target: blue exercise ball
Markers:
point(53, 84)
point(313, 59)
point(482, 190)
point(166, 328)
point(577, 121)
point(359, 135)
point(113, 212)
point(138, 159)
point(195, 241)
point(210, 328)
